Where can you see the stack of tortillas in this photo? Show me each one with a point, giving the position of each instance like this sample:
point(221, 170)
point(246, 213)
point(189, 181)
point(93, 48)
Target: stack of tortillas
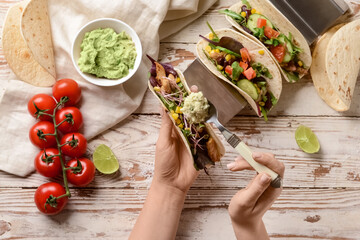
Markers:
point(27, 43)
point(336, 65)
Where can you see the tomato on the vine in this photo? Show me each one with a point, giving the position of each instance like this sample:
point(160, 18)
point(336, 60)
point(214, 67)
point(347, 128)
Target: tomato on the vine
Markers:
point(83, 174)
point(47, 163)
point(67, 87)
point(43, 102)
point(36, 134)
point(76, 146)
point(45, 198)
point(70, 125)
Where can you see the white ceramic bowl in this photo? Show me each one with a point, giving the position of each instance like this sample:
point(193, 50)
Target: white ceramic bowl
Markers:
point(118, 26)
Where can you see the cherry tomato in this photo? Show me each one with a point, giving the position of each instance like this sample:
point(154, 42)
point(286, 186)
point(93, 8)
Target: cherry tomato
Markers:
point(52, 168)
point(36, 132)
point(228, 69)
point(278, 52)
point(46, 193)
point(271, 33)
point(73, 149)
point(81, 177)
point(245, 56)
point(43, 102)
point(72, 126)
point(67, 87)
point(261, 22)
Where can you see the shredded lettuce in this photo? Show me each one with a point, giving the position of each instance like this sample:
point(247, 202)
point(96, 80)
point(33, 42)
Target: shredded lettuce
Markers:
point(261, 70)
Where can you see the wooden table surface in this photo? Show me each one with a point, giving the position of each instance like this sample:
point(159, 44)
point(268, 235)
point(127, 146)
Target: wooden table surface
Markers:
point(321, 196)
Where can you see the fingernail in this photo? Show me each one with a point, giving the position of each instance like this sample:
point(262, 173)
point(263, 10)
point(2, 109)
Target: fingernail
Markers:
point(265, 179)
point(256, 155)
point(231, 165)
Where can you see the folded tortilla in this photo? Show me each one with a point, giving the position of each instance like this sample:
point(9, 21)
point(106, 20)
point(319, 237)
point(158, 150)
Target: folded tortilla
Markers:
point(336, 65)
point(18, 54)
point(275, 84)
point(282, 23)
point(210, 131)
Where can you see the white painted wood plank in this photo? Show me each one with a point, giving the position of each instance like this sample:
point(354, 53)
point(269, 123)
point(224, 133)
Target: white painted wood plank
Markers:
point(133, 142)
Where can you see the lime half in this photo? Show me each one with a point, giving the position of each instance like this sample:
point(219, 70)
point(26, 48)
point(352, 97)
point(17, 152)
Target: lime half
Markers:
point(307, 140)
point(105, 160)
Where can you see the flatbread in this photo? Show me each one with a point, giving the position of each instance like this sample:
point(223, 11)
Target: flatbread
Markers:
point(343, 60)
point(219, 145)
point(36, 30)
point(282, 23)
point(17, 52)
point(275, 84)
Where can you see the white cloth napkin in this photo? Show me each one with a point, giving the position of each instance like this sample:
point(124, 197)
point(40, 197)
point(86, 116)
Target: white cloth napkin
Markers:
point(102, 107)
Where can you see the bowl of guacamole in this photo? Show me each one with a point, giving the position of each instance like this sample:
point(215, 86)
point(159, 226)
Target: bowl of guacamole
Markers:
point(106, 52)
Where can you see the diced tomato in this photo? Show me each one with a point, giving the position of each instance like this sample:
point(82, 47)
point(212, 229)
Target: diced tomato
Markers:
point(243, 65)
point(250, 73)
point(228, 69)
point(245, 55)
point(261, 22)
point(278, 52)
point(271, 33)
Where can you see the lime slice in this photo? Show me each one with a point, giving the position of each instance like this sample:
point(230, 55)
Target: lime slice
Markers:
point(307, 140)
point(105, 160)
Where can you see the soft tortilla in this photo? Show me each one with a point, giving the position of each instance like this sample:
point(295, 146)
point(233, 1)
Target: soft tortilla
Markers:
point(282, 23)
point(336, 65)
point(220, 146)
point(18, 54)
point(253, 47)
point(36, 30)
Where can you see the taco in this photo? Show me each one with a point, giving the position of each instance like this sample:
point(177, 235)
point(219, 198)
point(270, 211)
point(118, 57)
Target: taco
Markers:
point(262, 22)
point(336, 65)
point(169, 86)
point(245, 65)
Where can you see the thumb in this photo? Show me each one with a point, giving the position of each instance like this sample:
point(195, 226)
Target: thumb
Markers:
point(256, 188)
point(166, 126)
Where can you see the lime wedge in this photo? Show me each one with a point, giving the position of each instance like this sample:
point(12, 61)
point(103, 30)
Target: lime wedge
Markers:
point(105, 160)
point(307, 140)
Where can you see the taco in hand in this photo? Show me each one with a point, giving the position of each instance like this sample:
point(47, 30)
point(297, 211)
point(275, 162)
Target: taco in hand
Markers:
point(245, 65)
point(169, 86)
point(262, 22)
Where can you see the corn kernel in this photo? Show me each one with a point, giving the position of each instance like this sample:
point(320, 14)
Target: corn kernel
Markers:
point(253, 11)
point(208, 48)
point(262, 104)
point(212, 51)
point(175, 116)
point(181, 125)
point(178, 109)
point(187, 129)
point(171, 111)
point(227, 57)
point(211, 36)
point(300, 63)
point(233, 57)
point(178, 80)
point(219, 67)
point(217, 50)
point(178, 121)
point(261, 52)
point(243, 14)
point(157, 89)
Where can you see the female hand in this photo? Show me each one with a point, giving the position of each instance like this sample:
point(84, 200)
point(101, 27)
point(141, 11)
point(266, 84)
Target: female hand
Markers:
point(249, 205)
point(174, 165)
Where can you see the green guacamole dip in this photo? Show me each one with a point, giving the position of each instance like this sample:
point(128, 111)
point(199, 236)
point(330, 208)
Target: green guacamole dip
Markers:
point(105, 53)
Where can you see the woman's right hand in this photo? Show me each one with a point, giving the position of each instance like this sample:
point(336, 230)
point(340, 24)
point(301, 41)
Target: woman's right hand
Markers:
point(249, 205)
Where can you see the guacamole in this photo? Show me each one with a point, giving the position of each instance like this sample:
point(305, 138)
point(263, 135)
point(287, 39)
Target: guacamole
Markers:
point(105, 53)
point(196, 107)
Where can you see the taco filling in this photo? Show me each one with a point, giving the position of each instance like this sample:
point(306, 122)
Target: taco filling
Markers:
point(233, 60)
point(282, 47)
point(171, 91)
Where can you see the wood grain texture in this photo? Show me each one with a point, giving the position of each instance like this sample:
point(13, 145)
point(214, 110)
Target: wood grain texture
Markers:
point(321, 199)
